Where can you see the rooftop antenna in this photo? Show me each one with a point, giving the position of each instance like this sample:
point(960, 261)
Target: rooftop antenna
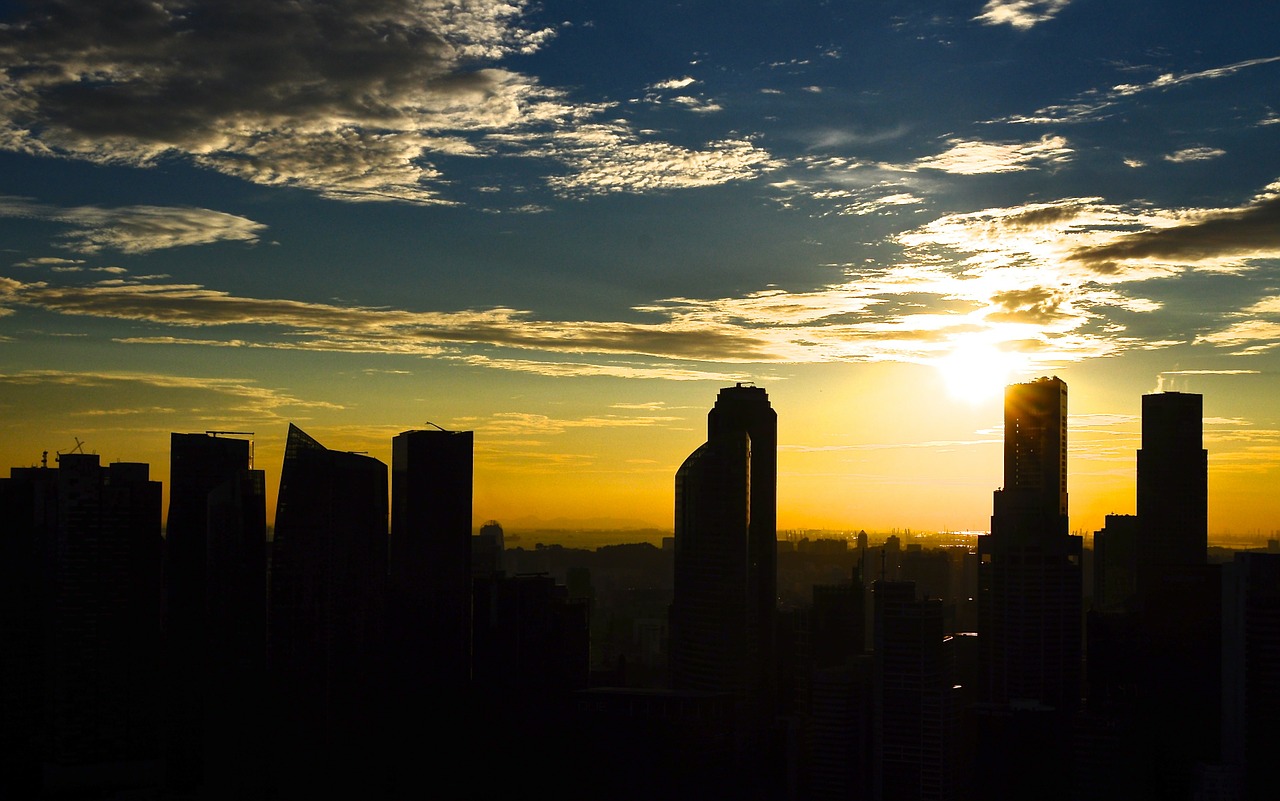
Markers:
point(44, 459)
point(433, 424)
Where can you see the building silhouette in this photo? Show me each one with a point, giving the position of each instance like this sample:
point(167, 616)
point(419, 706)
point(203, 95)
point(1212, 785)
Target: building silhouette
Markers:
point(430, 551)
point(1178, 696)
point(215, 611)
point(80, 627)
point(429, 612)
point(327, 621)
point(1251, 641)
point(1173, 486)
point(1029, 603)
point(724, 604)
point(916, 697)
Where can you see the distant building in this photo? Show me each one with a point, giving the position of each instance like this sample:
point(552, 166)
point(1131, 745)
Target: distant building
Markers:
point(486, 550)
point(1251, 641)
point(917, 701)
point(1115, 563)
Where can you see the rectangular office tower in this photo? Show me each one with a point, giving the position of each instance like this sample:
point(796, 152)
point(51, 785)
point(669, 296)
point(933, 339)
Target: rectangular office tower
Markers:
point(1173, 487)
point(430, 557)
point(215, 610)
point(1029, 604)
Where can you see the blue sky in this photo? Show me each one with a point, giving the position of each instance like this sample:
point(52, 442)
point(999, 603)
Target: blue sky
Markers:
point(564, 225)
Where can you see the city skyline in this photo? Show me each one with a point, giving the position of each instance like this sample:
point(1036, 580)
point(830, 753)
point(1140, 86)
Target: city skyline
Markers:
point(564, 227)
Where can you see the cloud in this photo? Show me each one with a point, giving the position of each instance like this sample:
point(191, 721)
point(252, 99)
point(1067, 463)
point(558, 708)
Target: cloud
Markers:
point(133, 229)
point(52, 262)
point(1195, 154)
point(674, 83)
point(352, 99)
point(1091, 104)
point(1020, 14)
point(976, 157)
point(608, 159)
point(1223, 238)
point(246, 396)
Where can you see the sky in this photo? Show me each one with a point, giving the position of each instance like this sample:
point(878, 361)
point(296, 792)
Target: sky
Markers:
point(567, 225)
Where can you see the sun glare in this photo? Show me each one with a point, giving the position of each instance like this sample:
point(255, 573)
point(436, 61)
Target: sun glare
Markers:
point(975, 372)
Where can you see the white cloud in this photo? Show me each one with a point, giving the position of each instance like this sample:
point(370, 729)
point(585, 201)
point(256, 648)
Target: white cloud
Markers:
point(133, 229)
point(977, 157)
point(1021, 14)
point(1195, 154)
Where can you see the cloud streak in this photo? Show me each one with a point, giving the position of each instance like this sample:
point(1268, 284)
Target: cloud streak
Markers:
point(133, 229)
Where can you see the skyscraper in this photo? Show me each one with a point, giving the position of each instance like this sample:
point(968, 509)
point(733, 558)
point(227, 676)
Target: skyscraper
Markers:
point(725, 593)
point(327, 611)
point(430, 552)
point(1178, 694)
point(1173, 488)
point(80, 626)
point(429, 612)
point(215, 602)
point(1029, 602)
point(724, 604)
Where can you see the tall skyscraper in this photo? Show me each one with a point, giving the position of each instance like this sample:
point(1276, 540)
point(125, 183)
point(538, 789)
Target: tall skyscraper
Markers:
point(724, 604)
point(1178, 695)
point(429, 613)
point(725, 594)
point(326, 625)
point(215, 604)
point(1173, 487)
point(1029, 602)
point(430, 556)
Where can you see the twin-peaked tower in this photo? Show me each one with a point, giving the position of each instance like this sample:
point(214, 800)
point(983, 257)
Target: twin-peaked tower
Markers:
point(724, 602)
point(725, 593)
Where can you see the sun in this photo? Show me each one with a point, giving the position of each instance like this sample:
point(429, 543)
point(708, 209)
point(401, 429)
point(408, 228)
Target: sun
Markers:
point(976, 371)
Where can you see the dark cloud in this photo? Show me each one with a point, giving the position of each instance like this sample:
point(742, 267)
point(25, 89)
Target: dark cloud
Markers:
point(1249, 232)
point(330, 327)
point(256, 86)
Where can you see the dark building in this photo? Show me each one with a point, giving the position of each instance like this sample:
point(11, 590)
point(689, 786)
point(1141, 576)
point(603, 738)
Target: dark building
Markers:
point(326, 625)
point(430, 552)
point(215, 611)
point(1115, 563)
point(1251, 641)
point(1173, 487)
point(1029, 602)
point(833, 694)
point(724, 605)
point(429, 612)
point(81, 628)
point(916, 697)
point(1177, 696)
